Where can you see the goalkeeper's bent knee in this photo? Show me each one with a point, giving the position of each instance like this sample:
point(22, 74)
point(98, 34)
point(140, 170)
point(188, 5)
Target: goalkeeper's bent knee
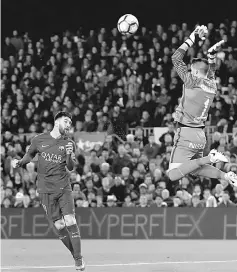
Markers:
point(175, 174)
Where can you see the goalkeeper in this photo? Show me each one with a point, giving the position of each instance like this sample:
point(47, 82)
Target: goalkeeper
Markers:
point(199, 90)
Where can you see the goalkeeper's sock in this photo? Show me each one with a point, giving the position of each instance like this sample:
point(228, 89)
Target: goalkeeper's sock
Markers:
point(64, 236)
point(187, 168)
point(75, 238)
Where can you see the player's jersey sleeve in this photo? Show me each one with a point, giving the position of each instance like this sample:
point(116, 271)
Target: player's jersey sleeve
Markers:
point(32, 151)
point(181, 68)
point(211, 71)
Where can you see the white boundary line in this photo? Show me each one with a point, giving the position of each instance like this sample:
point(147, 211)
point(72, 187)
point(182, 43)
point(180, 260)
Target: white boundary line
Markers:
point(117, 264)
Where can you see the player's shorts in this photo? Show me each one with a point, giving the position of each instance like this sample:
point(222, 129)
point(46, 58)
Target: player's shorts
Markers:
point(56, 205)
point(189, 144)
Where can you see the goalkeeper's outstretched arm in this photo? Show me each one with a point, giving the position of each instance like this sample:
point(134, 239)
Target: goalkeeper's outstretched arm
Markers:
point(178, 55)
point(211, 54)
point(212, 67)
point(177, 58)
point(179, 65)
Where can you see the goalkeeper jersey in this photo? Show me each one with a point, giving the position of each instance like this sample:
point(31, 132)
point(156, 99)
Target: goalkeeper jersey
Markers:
point(198, 93)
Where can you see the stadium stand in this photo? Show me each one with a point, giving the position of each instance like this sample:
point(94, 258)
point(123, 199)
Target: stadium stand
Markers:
point(121, 92)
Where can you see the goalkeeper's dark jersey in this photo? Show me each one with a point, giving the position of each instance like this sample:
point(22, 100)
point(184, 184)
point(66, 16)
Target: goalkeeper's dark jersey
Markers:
point(52, 175)
point(198, 93)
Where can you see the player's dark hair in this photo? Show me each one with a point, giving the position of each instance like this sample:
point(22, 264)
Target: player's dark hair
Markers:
point(75, 183)
point(61, 114)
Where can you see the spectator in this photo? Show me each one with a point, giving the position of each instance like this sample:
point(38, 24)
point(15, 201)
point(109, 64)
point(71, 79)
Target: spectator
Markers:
point(166, 197)
point(196, 202)
point(143, 202)
point(99, 201)
point(177, 202)
point(149, 105)
point(33, 198)
point(105, 188)
point(9, 195)
point(218, 193)
point(231, 65)
point(128, 201)
point(76, 191)
point(111, 201)
point(208, 199)
point(187, 199)
point(151, 149)
point(89, 124)
point(81, 203)
point(226, 202)
point(8, 49)
point(19, 200)
point(118, 190)
point(6, 203)
point(170, 132)
point(159, 202)
point(140, 138)
point(132, 114)
point(130, 140)
point(89, 187)
point(96, 181)
point(127, 178)
point(93, 159)
point(233, 147)
point(17, 41)
point(121, 160)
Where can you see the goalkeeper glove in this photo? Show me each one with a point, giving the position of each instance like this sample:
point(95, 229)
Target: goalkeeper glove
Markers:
point(213, 50)
point(202, 32)
point(198, 33)
point(211, 53)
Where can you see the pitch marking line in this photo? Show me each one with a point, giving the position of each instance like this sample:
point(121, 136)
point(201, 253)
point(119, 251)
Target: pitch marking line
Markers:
point(118, 264)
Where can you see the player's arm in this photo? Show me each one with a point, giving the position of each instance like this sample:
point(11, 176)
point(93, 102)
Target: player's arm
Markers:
point(177, 58)
point(70, 156)
point(179, 65)
point(28, 157)
point(212, 67)
point(212, 59)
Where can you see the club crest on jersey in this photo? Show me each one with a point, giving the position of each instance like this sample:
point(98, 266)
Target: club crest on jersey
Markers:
point(61, 148)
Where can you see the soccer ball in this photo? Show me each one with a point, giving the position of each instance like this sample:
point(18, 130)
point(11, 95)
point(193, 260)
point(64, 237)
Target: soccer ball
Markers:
point(127, 24)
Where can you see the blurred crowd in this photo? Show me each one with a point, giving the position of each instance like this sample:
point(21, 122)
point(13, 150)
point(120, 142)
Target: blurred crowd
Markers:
point(110, 83)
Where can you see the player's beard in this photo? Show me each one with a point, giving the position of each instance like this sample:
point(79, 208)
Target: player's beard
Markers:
point(63, 131)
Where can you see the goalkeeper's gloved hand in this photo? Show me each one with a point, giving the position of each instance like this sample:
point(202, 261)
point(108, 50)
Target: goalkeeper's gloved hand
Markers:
point(211, 53)
point(198, 33)
point(215, 48)
point(202, 32)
